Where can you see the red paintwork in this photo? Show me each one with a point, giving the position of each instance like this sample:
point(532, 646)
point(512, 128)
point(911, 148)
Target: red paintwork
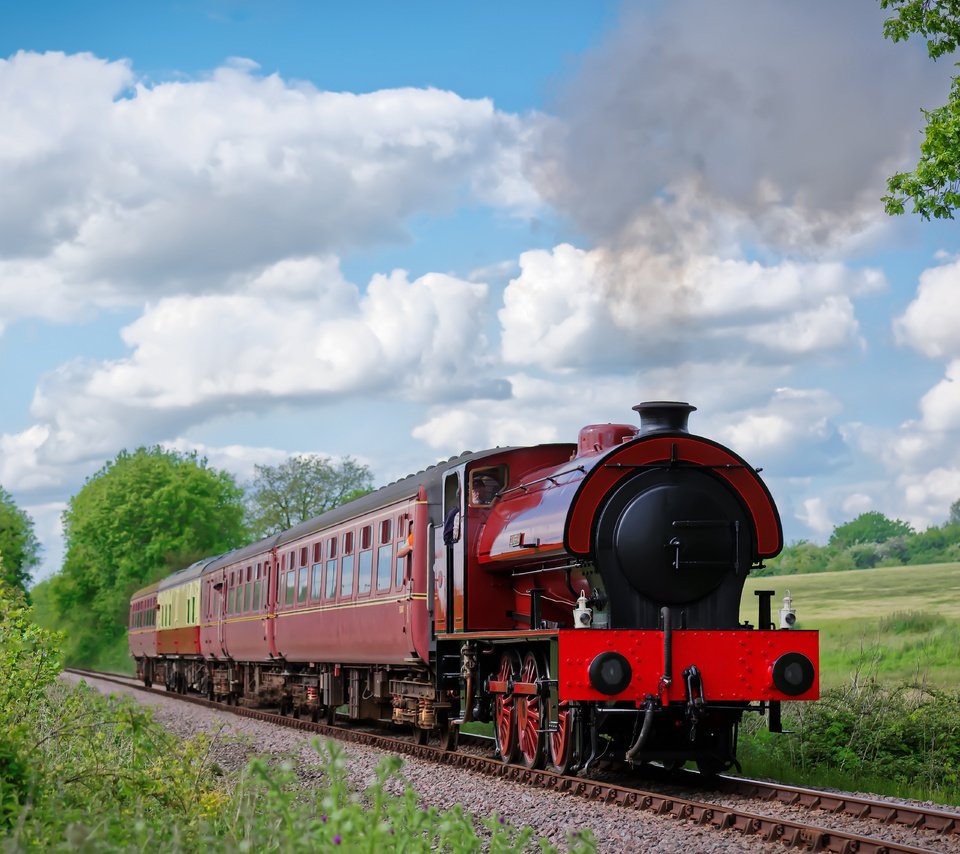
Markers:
point(534, 509)
point(383, 627)
point(417, 620)
point(370, 630)
point(243, 637)
point(690, 449)
point(734, 665)
point(143, 641)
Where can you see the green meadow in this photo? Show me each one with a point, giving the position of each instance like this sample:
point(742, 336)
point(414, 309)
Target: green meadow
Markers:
point(898, 624)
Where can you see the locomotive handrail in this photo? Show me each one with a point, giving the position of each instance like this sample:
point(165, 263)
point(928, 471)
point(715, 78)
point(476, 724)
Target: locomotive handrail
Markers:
point(551, 477)
point(668, 464)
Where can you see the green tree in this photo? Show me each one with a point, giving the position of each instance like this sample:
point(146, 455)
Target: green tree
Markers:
point(954, 518)
point(300, 488)
point(934, 185)
point(141, 516)
point(18, 544)
point(872, 527)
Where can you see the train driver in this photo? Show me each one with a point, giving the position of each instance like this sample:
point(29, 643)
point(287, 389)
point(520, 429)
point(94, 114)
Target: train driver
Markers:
point(483, 488)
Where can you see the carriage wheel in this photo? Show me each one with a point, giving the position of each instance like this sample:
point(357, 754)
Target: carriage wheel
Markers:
point(505, 710)
point(420, 735)
point(531, 710)
point(560, 744)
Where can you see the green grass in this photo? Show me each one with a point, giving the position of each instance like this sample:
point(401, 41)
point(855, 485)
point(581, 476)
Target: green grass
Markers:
point(900, 623)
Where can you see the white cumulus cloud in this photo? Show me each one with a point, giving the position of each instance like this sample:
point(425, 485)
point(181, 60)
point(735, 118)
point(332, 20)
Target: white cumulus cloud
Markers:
point(115, 189)
point(560, 312)
point(319, 339)
point(931, 323)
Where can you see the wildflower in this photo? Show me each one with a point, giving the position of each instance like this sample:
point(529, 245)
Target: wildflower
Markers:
point(323, 819)
point(336, 839)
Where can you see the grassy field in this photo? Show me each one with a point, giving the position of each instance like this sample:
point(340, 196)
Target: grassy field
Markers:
point(899, 623)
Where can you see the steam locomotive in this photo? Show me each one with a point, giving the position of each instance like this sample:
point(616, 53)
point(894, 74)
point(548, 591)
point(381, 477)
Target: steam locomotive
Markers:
point(584, 598)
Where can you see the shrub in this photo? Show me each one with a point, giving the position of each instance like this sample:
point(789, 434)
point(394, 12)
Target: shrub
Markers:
point(902, 741)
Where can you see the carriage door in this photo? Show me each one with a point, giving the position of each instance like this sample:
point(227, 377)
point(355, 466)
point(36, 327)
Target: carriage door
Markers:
point(448, 580)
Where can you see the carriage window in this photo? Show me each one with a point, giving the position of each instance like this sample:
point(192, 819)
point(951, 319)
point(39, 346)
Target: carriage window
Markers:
point(302, 584)
point(365, 574)
point(317, 552)
point(230, 597)
point(384, 562)
point(316, 581)
point(291, 585)
point(256, 594)
point(346, 575)
point(304, 556)
point(365, 535)
point(292, 562)
point(385, 531)
point(246, 596)
point(331, 548)
point(348, 543)
point(331, 587)
point(249, 572)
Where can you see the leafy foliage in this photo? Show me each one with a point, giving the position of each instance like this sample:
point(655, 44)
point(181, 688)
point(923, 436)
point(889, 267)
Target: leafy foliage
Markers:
point(934, 186)
point(872, 527)
point(18, 544)
point(300, 488)
point(900, 740)
point(140, 517)
point(82, 772)
point(868, 541)
point(29, 664)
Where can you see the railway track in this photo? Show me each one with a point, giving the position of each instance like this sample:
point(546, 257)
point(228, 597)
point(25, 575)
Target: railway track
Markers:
point(932, 826)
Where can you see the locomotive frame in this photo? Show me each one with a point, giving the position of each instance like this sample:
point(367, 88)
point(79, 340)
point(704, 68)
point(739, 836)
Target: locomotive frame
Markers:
point(583, 598)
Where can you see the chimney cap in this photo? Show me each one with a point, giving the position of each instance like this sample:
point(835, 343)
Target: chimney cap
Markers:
point(663, 415)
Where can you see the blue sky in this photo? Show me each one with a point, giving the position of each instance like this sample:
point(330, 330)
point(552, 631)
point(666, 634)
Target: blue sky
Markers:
point(397, 231)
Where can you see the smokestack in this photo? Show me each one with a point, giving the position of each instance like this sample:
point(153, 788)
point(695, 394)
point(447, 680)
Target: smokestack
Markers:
point(657, 415)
